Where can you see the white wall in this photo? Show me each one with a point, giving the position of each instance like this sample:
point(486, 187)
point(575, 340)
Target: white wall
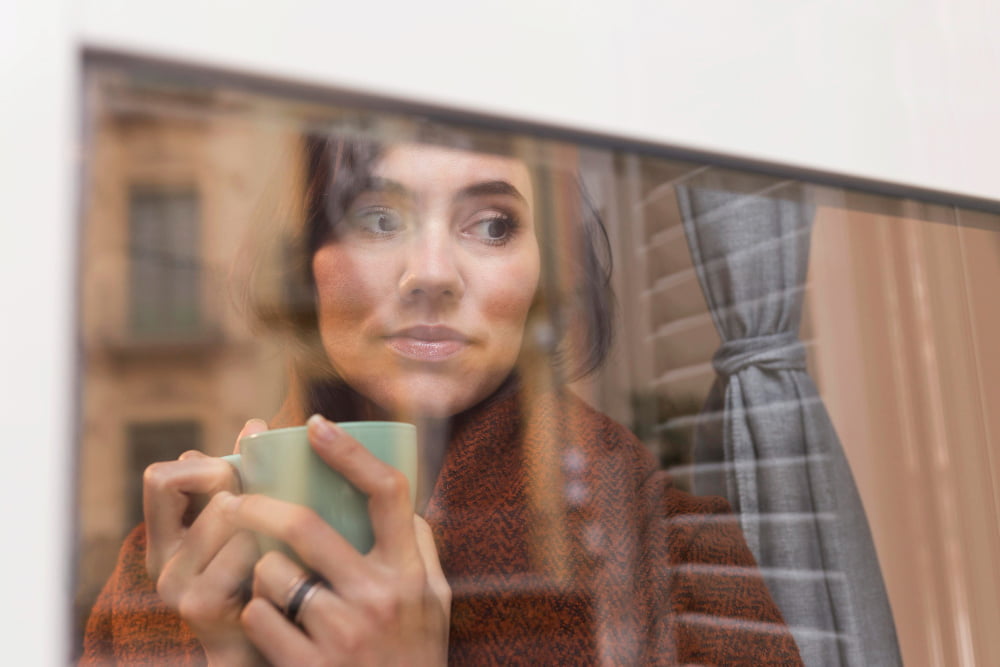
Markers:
point(901, 91)
point(895, 90)
point(37, 255)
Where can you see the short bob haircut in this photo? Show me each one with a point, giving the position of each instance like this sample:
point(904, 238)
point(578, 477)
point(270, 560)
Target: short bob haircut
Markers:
point(571, 320)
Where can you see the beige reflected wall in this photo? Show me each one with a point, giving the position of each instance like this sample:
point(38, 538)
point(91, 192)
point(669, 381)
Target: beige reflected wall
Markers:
point(215, 375)
point(905, 315)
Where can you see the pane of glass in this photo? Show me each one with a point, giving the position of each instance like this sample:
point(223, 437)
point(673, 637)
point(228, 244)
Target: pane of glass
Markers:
point(251, 252)
point(165, 267)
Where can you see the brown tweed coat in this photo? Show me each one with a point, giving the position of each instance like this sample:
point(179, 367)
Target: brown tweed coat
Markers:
point(562, 544)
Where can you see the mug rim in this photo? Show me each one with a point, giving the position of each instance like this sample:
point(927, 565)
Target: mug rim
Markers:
point(362, 425)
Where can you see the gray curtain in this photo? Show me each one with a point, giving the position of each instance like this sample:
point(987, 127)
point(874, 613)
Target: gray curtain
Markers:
point(764, 439)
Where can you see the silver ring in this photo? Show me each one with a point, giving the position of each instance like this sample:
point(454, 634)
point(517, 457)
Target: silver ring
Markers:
point(303, 593)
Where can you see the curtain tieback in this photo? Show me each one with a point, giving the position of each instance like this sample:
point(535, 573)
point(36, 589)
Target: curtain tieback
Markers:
point(776, 352)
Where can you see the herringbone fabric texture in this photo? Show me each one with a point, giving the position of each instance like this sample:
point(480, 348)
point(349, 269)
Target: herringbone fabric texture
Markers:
point(562, 544)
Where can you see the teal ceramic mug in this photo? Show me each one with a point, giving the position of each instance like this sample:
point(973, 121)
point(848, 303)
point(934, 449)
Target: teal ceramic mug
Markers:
point(281, 464)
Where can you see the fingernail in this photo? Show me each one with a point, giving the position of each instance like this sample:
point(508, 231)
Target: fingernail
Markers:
point(324, 429)
point(255, 421)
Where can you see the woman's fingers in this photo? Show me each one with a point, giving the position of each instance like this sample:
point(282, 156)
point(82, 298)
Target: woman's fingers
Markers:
point(169, 490)
point(323, 614)
point(387, 488)
point(278, 640)
point(276, 578)
point(203, 544)
point(223, 586)
point(376, 611)
point(174, 493)
point(321, 547)
point(343, 631)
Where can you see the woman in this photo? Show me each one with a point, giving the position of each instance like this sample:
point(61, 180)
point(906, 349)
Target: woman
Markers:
point(543, 532)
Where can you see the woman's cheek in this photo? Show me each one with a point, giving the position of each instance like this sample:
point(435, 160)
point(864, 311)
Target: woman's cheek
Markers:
point(344, 289)
point(507, 309)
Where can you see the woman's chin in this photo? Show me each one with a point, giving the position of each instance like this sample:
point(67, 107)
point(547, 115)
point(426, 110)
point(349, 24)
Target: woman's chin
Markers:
point(431, 400)
point(417, 408)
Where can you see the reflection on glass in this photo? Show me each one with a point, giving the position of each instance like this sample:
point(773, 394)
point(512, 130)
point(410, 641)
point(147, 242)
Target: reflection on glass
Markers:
point(255, 255)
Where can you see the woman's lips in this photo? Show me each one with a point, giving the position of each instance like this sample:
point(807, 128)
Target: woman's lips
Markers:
point(427, 343)
point(425, 350)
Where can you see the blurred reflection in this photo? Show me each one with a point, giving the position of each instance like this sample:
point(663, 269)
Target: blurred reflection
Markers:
point(414, 290)
point(253, 256)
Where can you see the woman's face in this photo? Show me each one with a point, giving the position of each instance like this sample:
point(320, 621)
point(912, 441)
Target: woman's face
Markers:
point(426, 283)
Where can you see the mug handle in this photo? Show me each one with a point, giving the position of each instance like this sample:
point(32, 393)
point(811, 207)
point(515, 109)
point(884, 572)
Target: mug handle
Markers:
point(236, 461)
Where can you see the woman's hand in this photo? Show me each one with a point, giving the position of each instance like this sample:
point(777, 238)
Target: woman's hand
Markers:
point(390, 606)
point(199, 560)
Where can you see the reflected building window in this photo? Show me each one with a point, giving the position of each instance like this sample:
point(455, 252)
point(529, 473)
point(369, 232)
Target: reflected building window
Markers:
point(165, 271)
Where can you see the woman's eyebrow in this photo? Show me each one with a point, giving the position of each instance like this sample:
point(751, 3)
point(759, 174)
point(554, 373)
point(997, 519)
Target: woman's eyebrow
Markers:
point(377, 184)
point(485, 188)
point(490, 188)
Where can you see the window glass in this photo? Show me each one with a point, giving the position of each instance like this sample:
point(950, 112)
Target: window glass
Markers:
point(820, 357)
point(164, 271)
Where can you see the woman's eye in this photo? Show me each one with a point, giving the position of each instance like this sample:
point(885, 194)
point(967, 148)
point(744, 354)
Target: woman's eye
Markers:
point(495, 230)
point(378, 221)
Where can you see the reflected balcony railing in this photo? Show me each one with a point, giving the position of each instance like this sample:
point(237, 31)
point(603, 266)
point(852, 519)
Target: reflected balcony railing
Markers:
point(164, 323)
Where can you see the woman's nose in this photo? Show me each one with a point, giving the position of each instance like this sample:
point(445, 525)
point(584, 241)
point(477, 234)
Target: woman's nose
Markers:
point(431, 270)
